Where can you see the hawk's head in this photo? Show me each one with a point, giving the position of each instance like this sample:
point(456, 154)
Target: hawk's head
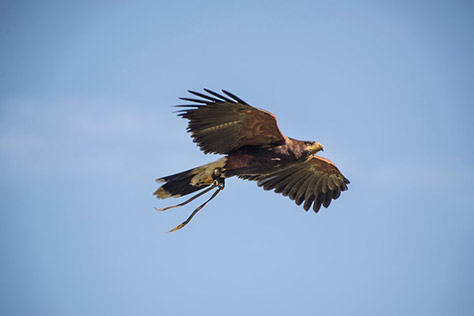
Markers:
point(313, 147)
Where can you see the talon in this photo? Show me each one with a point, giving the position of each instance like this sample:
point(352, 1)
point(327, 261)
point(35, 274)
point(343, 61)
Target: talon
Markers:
point(218, 178)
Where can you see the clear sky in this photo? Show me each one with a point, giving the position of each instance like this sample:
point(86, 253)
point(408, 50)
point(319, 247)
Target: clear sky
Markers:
point(87, 124)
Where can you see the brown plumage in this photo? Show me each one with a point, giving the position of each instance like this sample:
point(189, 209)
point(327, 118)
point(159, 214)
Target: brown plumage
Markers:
point(255, 150)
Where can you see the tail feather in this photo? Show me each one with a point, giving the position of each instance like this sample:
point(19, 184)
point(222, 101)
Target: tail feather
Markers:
point(188, 181)
point(177, 185)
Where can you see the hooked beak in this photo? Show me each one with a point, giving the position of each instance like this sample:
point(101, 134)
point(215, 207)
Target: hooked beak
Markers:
point(318, 147)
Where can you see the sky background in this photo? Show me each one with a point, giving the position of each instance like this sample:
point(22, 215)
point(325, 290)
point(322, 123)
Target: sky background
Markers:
point(87, 124)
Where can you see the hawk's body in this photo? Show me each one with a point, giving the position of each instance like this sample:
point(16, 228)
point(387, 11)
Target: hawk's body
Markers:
point(256, 150)
point(252, 160)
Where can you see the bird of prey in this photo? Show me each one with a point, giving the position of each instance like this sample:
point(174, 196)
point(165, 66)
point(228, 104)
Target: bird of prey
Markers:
point(254, 149)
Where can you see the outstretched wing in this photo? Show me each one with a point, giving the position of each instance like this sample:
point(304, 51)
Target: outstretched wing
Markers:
point(316, 180)
point(222, 124)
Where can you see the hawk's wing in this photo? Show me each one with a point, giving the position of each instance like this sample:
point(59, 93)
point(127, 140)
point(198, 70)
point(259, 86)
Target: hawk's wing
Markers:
point(316, 180)
point(222, 124)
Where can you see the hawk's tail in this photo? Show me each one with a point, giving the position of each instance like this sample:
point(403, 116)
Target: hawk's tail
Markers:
point(188, 181)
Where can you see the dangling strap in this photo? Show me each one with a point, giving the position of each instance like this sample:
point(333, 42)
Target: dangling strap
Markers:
point(187, 201)
point(198, 209)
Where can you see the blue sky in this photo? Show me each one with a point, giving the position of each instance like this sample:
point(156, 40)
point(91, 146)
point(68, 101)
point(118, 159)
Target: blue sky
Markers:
point(86, 125)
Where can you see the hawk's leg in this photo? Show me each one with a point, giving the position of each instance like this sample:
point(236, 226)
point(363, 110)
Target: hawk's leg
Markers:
point(219, 179)
point(219, 183)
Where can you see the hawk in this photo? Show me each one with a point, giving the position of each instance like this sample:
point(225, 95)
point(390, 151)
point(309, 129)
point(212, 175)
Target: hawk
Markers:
point(254, 149)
